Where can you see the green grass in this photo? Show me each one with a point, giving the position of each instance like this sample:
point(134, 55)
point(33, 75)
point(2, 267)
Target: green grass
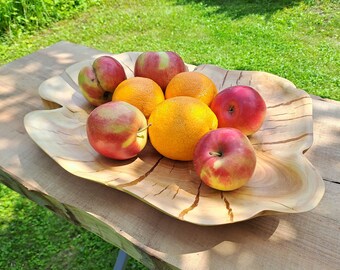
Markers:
point(34, 238)
point(297, 40)
point(17, 16)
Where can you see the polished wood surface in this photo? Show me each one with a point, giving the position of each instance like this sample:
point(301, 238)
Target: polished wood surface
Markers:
point(288, 241)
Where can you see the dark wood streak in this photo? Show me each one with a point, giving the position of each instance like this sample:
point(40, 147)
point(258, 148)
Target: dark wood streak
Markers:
point(286, 141)
point(76, 160)
point(69, 80)
point(128, 66)
point(194, 204)
point(161, 190)
point(280, 114)
point(52, 131)
point(331, 181)
point(131, 58)
point(225, 78)
point(250, 80)
point(291, 208)
point(288, 119)
point(109, 181)
point(304, 104)
point(200, 68)
point(76, 143)
point(239, 77)
point(271, 128)
point(227, 205)
point(140, 178)
point(173, 197)
point(173, 167)
point(288, 102)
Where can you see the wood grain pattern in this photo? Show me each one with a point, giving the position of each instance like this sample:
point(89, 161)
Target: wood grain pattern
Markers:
point(284, 180)
point(310, 240)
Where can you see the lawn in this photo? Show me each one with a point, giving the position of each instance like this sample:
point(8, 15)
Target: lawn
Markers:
point(297, 40)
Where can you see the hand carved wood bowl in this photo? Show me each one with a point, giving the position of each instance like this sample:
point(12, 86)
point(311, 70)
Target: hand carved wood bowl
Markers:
point(284, 180)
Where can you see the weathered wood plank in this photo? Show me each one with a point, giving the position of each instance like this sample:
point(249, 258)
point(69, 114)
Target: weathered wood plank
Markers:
point(290, 241)
point(325, 151)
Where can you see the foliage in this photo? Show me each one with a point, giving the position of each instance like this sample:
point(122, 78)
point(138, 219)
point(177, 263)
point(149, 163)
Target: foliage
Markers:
point(17, 16)
point(297, 40)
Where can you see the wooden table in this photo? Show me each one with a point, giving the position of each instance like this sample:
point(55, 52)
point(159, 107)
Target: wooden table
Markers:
point(308, 240)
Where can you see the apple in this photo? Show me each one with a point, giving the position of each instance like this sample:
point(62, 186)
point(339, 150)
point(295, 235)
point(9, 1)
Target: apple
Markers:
point(90, 88)
point(240, 107)
point(117, 130)
point(159, 66)
point(224, 159)
point(98, 81)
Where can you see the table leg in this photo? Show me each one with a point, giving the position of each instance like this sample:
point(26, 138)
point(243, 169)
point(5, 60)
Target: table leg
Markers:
point(121, 261)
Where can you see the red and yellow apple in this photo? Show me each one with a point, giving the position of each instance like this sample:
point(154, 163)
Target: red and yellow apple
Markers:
point(240, 107)
point(117, 130)
point(224, 159)
point(98, 82)
point(161, 67)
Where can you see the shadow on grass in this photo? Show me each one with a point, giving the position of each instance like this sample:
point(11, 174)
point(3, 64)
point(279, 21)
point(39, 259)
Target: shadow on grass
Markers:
point(236, 9)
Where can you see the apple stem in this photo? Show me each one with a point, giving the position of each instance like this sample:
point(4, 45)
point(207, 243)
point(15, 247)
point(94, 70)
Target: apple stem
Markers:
point(216, 154)
point(141, 130)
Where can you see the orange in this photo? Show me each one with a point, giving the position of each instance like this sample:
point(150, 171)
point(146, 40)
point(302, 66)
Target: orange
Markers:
point(192, 84)
point(143, 93)
point(177, 124)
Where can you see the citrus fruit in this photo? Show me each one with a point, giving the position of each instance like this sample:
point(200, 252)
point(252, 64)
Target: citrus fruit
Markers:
point(177, 124)
point(192, 84)
point(143, 93)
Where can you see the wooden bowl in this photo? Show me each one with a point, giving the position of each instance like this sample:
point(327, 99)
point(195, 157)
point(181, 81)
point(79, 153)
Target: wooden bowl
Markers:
point(284, 180)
